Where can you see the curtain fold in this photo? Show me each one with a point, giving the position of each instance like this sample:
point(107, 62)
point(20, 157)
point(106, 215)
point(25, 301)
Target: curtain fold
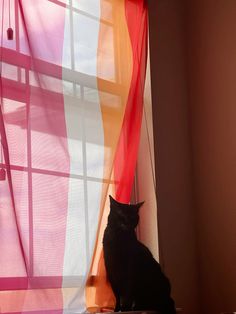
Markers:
point(72, 84)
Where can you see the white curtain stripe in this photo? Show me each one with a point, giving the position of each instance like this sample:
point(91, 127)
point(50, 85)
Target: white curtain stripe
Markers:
point(86, 149)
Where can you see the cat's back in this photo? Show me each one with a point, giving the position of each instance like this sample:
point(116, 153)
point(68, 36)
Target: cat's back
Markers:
point(150, 278)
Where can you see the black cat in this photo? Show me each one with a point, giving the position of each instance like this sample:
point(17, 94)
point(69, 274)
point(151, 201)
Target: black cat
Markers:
point(135, 276)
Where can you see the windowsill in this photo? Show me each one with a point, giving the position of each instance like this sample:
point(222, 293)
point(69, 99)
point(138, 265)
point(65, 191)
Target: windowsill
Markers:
point(178, 310)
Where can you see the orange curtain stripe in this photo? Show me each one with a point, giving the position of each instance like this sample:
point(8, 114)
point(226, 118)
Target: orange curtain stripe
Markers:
point(121, 123)
point(98, 292)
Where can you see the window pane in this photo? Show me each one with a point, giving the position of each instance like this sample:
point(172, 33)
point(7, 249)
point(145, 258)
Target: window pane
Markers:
point(67, 45)
point(50, 202)
point(77, 232)
point(51, 28)
point(85, 43)
point(9, 71)
point(48, 130)
point(94, 201)
point(90, 7)
point(106, 52)
point(16, 129)
point(11, 259)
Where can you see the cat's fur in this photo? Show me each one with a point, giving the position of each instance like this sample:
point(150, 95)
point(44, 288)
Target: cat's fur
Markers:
point(135, 276)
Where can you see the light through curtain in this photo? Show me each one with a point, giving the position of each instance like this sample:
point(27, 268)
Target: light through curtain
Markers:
point(71, 93)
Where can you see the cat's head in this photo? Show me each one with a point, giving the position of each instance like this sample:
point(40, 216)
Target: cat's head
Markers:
point(123, 216)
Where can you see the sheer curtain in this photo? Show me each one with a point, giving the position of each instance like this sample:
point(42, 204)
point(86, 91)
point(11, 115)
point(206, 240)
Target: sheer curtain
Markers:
point(71, 93)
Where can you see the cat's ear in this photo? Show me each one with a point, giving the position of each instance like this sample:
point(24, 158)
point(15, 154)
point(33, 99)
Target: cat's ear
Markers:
point(112, 200)
point(139, 205)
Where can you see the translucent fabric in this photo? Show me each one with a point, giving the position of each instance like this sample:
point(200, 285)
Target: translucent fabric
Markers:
point(71, 93)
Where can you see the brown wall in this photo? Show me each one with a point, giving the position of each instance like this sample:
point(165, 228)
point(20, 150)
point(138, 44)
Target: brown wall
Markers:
point(212, 99)
point(172, 150)
point(193, 70)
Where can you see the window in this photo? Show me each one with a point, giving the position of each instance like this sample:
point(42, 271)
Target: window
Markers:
point(64, 102)
point(33, 165)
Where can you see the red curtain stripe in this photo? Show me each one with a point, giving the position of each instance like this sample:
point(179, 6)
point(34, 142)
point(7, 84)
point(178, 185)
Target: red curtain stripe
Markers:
point(127, 149)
